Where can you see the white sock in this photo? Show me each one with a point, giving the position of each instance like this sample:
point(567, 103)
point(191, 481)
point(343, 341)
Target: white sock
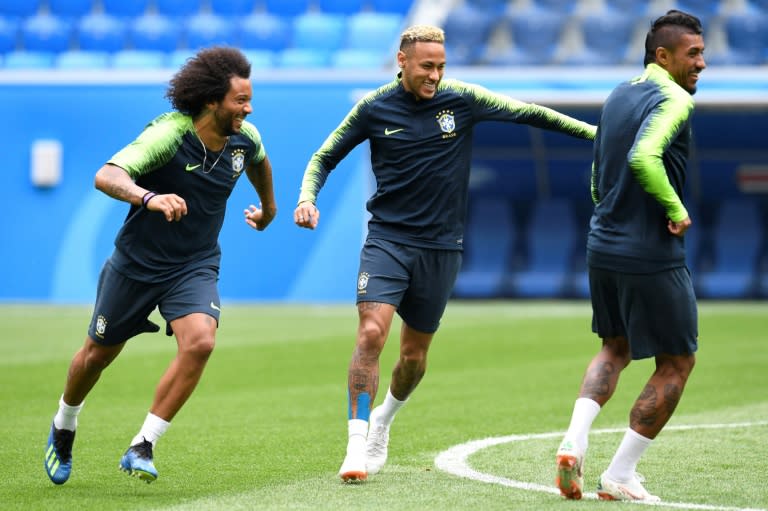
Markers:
point(624, 462)
point(357, 430)
point(389, 407)
point(152, 429)
point(66, 417)
point(585, 411)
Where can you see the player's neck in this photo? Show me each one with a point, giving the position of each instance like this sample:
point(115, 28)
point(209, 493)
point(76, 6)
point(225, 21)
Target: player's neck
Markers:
point(205, 128)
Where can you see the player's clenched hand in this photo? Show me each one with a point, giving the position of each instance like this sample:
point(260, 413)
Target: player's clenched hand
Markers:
point(679, 228)
point(306, 215)
point(169, 204)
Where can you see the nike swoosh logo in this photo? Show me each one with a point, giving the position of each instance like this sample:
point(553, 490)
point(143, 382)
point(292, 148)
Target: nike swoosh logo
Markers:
point(388, 131)
point(190, 167)
point(215, 307)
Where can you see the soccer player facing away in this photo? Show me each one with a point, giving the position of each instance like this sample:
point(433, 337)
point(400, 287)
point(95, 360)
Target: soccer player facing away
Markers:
point(420, 131)
point(177, 176)
point(643, 299)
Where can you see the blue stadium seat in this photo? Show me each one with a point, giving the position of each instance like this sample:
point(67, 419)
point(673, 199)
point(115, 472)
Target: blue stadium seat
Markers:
point(489, 240)
point(101, 32)
point(467, 31)
point(627, 6)
point(287, 7)
point(536, 34)
point(699, 8)
point(759, 5)
point(358, 59)
point(44, 32)
point(747, 38)
point(154, 32)
point(319, 31)
point(302, 58)
point(139, 59)
point(494, 6)
point(737, 237)
point(29, 60)
point(125, 8)
point(17, 8)
point(178, 58)
point(561, 6)
point(401, 7)
point(373, 31)
point(260, 59)
point(607, 35)
point(506, 176)
point(76, 59)
point(9, 34)
point(70, 8)
point(178, 8)
point(346, 7)
point(264, 31)
point(203, 30)
point(550, 243)
point(232, 7)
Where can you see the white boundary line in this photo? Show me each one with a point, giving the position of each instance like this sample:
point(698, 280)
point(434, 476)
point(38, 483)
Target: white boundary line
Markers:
point(454, 461)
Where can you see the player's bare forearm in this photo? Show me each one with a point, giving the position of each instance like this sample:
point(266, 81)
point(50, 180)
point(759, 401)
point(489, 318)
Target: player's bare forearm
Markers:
point(118, 184)
point(260, 176)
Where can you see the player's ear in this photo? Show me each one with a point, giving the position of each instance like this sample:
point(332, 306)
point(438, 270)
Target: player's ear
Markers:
point(662, 56)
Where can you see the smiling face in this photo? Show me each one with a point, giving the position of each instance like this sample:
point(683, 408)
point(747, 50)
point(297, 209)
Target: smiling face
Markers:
point(423, 65)
point(230, 112)
point(685, 61)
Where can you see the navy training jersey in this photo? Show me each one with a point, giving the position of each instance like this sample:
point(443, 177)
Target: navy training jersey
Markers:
point(420, 155)
point(167, 157)
point(639, 171)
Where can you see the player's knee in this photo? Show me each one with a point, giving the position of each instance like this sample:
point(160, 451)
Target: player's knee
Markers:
point(199, 346)
point(371, 335)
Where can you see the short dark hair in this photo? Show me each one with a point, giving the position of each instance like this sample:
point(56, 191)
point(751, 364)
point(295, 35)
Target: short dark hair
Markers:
point(205, 77)
point(665, 32)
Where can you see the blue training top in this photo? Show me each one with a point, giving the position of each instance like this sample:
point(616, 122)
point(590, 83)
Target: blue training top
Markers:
point(420, 155)
point(639, 170)
point(167, 157)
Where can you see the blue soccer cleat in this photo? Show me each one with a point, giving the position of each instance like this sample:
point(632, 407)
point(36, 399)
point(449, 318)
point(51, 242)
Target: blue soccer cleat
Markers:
point(137, 461)
point(58, 454)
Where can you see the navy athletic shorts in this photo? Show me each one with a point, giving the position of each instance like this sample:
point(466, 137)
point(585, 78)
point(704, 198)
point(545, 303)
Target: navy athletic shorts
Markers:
point(418, 281)
point(123, 304)
point(656, 312)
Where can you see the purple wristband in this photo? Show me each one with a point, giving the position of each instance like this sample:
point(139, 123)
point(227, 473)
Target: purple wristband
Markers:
point(147, 197)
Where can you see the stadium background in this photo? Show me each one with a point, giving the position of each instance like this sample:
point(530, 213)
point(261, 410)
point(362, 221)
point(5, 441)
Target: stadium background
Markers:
point(60, 90)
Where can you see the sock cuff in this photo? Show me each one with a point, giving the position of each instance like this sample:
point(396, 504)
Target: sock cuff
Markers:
point(70, 409)
point(638, 437)
point(588, 403)
point(393, 399)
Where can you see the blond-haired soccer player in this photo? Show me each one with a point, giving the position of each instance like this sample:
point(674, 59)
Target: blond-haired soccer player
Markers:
point(419, 127)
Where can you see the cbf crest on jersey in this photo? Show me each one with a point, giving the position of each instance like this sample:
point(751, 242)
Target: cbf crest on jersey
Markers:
point(446, 122)
point(238, 161)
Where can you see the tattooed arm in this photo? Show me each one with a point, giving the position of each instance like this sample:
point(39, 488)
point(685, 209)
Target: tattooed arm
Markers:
point(115, 182)
point(118, 184)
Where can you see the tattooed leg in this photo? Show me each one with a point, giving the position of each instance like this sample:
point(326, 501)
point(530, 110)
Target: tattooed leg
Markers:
point(658, 400)
point(603, 372)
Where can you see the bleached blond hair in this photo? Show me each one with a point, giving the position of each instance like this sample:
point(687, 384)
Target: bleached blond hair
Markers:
point(421, 34)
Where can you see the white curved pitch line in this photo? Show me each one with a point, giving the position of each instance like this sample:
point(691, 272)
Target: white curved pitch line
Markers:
point(454, 461)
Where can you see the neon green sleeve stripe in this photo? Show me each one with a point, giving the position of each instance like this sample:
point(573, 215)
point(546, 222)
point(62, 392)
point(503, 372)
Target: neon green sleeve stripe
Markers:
point(154, 146)
point(645, 157)
point(250, 131)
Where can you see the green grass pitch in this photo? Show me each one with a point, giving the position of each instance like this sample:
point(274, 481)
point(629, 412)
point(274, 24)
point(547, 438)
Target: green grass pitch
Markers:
point(266, 428)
